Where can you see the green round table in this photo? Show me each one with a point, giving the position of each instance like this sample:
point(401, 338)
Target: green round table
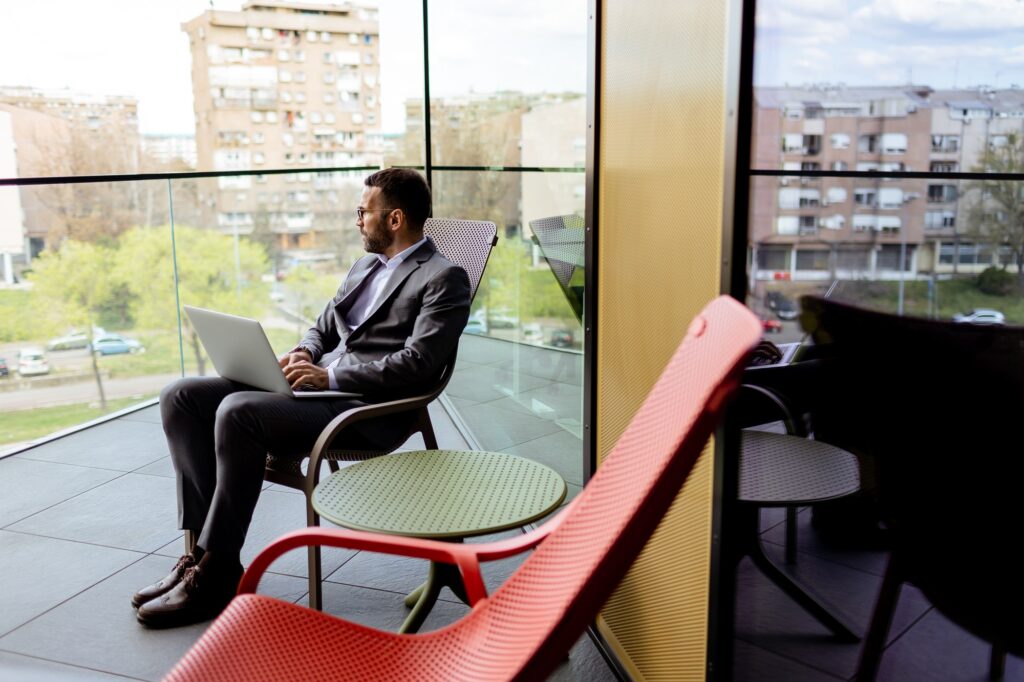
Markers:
point(439, 494)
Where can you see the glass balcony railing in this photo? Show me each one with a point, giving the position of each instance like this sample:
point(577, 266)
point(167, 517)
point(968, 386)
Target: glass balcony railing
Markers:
point(92, 319)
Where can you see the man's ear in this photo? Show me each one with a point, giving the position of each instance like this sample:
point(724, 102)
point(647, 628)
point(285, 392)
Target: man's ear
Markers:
point(396, 218)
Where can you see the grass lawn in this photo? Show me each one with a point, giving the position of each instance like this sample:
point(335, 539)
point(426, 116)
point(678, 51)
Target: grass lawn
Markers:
point(28, 424)
point(953, 296)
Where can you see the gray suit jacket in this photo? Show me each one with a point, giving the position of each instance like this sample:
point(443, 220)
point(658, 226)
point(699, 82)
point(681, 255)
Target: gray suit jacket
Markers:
point(402, 346)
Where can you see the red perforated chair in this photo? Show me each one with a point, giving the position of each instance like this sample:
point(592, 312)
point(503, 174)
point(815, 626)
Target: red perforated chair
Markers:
point(526, 627)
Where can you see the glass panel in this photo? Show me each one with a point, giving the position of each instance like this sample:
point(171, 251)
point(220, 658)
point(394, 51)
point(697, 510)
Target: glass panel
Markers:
point(84, 332)
point(523, 106)
point(272, 247)
point(518, 385)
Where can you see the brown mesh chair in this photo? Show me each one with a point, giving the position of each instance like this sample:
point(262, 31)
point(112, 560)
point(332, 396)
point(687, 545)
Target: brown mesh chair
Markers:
point(933, 410)
point(561, 240)
point(465, 242)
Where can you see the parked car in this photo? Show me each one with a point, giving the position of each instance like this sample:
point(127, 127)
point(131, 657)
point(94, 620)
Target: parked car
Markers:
point(773, 298)
point(503, 318)
point(531, 332)
point(114, 344)
point(771, 326)
point(786, 310)
point(981, 316)
point(562, 338)
point(32, 362)
point(3, 368)
point(68, 341)
point(475, 326)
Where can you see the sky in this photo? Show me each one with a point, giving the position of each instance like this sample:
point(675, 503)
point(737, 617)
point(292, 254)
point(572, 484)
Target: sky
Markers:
point(137, 48)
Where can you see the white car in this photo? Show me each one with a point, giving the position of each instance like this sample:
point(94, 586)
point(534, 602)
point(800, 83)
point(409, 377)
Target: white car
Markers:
point(981, 316)
point(32, 362)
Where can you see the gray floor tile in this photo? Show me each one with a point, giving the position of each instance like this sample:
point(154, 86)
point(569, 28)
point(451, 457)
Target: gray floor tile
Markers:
point(120, 444)
point(149, 415)
point(28, 486)
point(485, 383)
point(18, 668)
point(756, 664)
point(97, 629)
point(499, 429)
point(131, 512)
point(481, 350)
point(546, 363)
point(383, 610)
point(767, 618)
point(397, 574)
point(556, 400)
point(937, 649)
point(39, 573)
point(809, 541)
point(279, 513)
point(585, 663)
point(561, 451)
point(161, 467)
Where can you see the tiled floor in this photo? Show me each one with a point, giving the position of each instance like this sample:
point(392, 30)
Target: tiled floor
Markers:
point(87, 519)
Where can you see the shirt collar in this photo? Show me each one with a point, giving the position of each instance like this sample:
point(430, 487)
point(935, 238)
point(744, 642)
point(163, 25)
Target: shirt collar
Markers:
point(398, 258)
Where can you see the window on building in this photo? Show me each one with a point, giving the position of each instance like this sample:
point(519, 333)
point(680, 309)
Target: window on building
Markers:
point(284, 76)
point(840, 165)
point(299, 55)
point(792, 142)
point(315, 117)
point(839, 141)
point(329, 117)
point(258, 157)
point(328, 98)
point(865, 196)
point(938, 194)
point(311, 36)
point(810, 166)
point(943, 166)
point(892, 167)
point(773, 258)
point(835, 195)
point(852, 259)
point(267, 33)
point(997, 141)
point(867, 143)
point(812, 260)
point(864, 223)
point(894, 143)
point(328, 58)
point(787, 224)
point(808, 224)
point(328, 77)
point(938, 220)
point(252, 33)
point(325, 36)
point(888, 257)
point(285, 96)
point(357, 118)
point(368, 59)
point(283, 56)
point(890, 197)
point(257, 138)
point(945, 143)
point(353, 38)
point(300, 76)
point(809, 198)
point(256, 116)
point(834, 222)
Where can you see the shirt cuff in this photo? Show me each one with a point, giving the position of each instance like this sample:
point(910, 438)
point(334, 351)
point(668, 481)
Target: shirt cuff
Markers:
point(332, 381)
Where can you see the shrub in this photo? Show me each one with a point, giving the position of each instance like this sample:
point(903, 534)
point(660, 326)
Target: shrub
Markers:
point(995, 281)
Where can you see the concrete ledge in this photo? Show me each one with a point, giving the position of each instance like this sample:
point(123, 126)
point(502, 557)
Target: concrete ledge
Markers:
point(15, 383)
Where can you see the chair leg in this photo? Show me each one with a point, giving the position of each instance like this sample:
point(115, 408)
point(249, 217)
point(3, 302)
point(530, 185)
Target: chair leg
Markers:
point(429, 439)
point(191, 537)
point(881, 620)
point(791, 535)
point(997, 662)
point(313, 560)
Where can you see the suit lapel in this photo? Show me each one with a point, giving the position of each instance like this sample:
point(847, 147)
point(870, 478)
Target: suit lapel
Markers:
point(359, 281)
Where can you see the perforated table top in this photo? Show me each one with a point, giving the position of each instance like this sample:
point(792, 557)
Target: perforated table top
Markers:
point(781, 470)
point(439, 493)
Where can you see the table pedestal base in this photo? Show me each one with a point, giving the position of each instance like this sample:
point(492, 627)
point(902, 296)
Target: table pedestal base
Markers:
point(423, 598)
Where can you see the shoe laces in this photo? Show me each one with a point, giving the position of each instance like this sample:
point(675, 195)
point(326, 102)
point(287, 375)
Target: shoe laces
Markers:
point(185, 562)
point(190, 579)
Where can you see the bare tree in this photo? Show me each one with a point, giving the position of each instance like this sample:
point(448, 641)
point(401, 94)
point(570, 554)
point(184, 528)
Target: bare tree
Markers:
point(995, 208)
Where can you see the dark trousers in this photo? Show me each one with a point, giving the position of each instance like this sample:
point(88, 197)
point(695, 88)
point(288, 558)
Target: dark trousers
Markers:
point(219, 433)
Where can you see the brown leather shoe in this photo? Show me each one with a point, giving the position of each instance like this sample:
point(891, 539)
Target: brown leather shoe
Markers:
point(164, 586)
point(202, 594)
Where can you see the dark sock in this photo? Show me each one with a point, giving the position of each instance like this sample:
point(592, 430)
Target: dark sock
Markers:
point(197, 553)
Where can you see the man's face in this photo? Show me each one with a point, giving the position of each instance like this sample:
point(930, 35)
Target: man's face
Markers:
point(374, 224)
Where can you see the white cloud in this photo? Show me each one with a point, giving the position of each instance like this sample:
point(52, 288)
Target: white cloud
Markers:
point(946, 16)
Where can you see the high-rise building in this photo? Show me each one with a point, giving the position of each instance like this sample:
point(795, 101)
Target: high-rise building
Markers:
point(284, 85)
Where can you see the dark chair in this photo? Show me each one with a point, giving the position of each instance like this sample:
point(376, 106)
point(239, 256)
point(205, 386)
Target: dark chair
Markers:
point(524, 629)
point(933, 410)
point(561, 240)
point(465, 242)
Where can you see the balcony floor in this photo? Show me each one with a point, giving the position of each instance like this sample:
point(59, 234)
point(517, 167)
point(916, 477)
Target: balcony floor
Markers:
point(88, 518)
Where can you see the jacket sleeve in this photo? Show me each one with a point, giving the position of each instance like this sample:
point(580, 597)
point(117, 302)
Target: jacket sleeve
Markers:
point(439, 323)
point(323, 335)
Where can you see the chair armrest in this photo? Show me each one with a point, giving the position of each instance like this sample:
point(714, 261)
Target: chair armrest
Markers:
point(350, 417)
point(777, 402)
point(466, 557)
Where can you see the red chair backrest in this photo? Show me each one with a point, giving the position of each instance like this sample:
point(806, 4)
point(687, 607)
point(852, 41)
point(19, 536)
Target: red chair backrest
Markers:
point(536, 616)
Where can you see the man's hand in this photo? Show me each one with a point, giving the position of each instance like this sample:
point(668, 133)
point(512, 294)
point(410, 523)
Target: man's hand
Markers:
point(291, 358)
point(304, 374)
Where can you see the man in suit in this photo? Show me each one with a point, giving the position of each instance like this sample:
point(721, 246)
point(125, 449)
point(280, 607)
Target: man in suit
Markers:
point(386, 334)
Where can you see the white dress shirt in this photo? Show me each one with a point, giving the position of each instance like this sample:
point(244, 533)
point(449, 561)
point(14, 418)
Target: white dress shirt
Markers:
point(367, 298)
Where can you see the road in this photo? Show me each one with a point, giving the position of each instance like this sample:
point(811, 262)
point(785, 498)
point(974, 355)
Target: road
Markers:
point(82, 392)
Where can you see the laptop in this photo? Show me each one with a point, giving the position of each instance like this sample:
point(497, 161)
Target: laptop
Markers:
point(240, 351)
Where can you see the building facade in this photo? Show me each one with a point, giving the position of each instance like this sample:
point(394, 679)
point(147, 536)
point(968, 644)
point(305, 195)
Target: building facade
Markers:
point(284, 85)
point(822, 229)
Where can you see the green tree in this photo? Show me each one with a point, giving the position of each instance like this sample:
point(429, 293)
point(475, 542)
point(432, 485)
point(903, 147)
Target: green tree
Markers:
point(308, 290)
point(995, 209)
point(209, 276)
point(76, 283)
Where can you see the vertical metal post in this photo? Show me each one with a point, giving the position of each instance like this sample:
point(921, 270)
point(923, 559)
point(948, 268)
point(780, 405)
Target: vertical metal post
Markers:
point(428, 167)
point(903, 265)
point(174, 265)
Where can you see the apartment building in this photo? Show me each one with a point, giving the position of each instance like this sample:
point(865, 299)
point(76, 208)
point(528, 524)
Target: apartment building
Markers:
point(284, 85)
point(820, 229)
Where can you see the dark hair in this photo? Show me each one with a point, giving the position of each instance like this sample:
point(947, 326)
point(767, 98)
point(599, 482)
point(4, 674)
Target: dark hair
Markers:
point(406, 189)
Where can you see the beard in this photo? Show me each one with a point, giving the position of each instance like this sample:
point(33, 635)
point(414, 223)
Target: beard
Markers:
point(377, 241)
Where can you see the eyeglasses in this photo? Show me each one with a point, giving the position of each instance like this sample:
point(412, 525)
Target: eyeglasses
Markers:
point(361, 211)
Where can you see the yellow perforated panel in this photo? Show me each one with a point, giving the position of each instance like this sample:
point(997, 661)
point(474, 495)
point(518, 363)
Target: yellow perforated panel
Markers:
point(661, 192)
